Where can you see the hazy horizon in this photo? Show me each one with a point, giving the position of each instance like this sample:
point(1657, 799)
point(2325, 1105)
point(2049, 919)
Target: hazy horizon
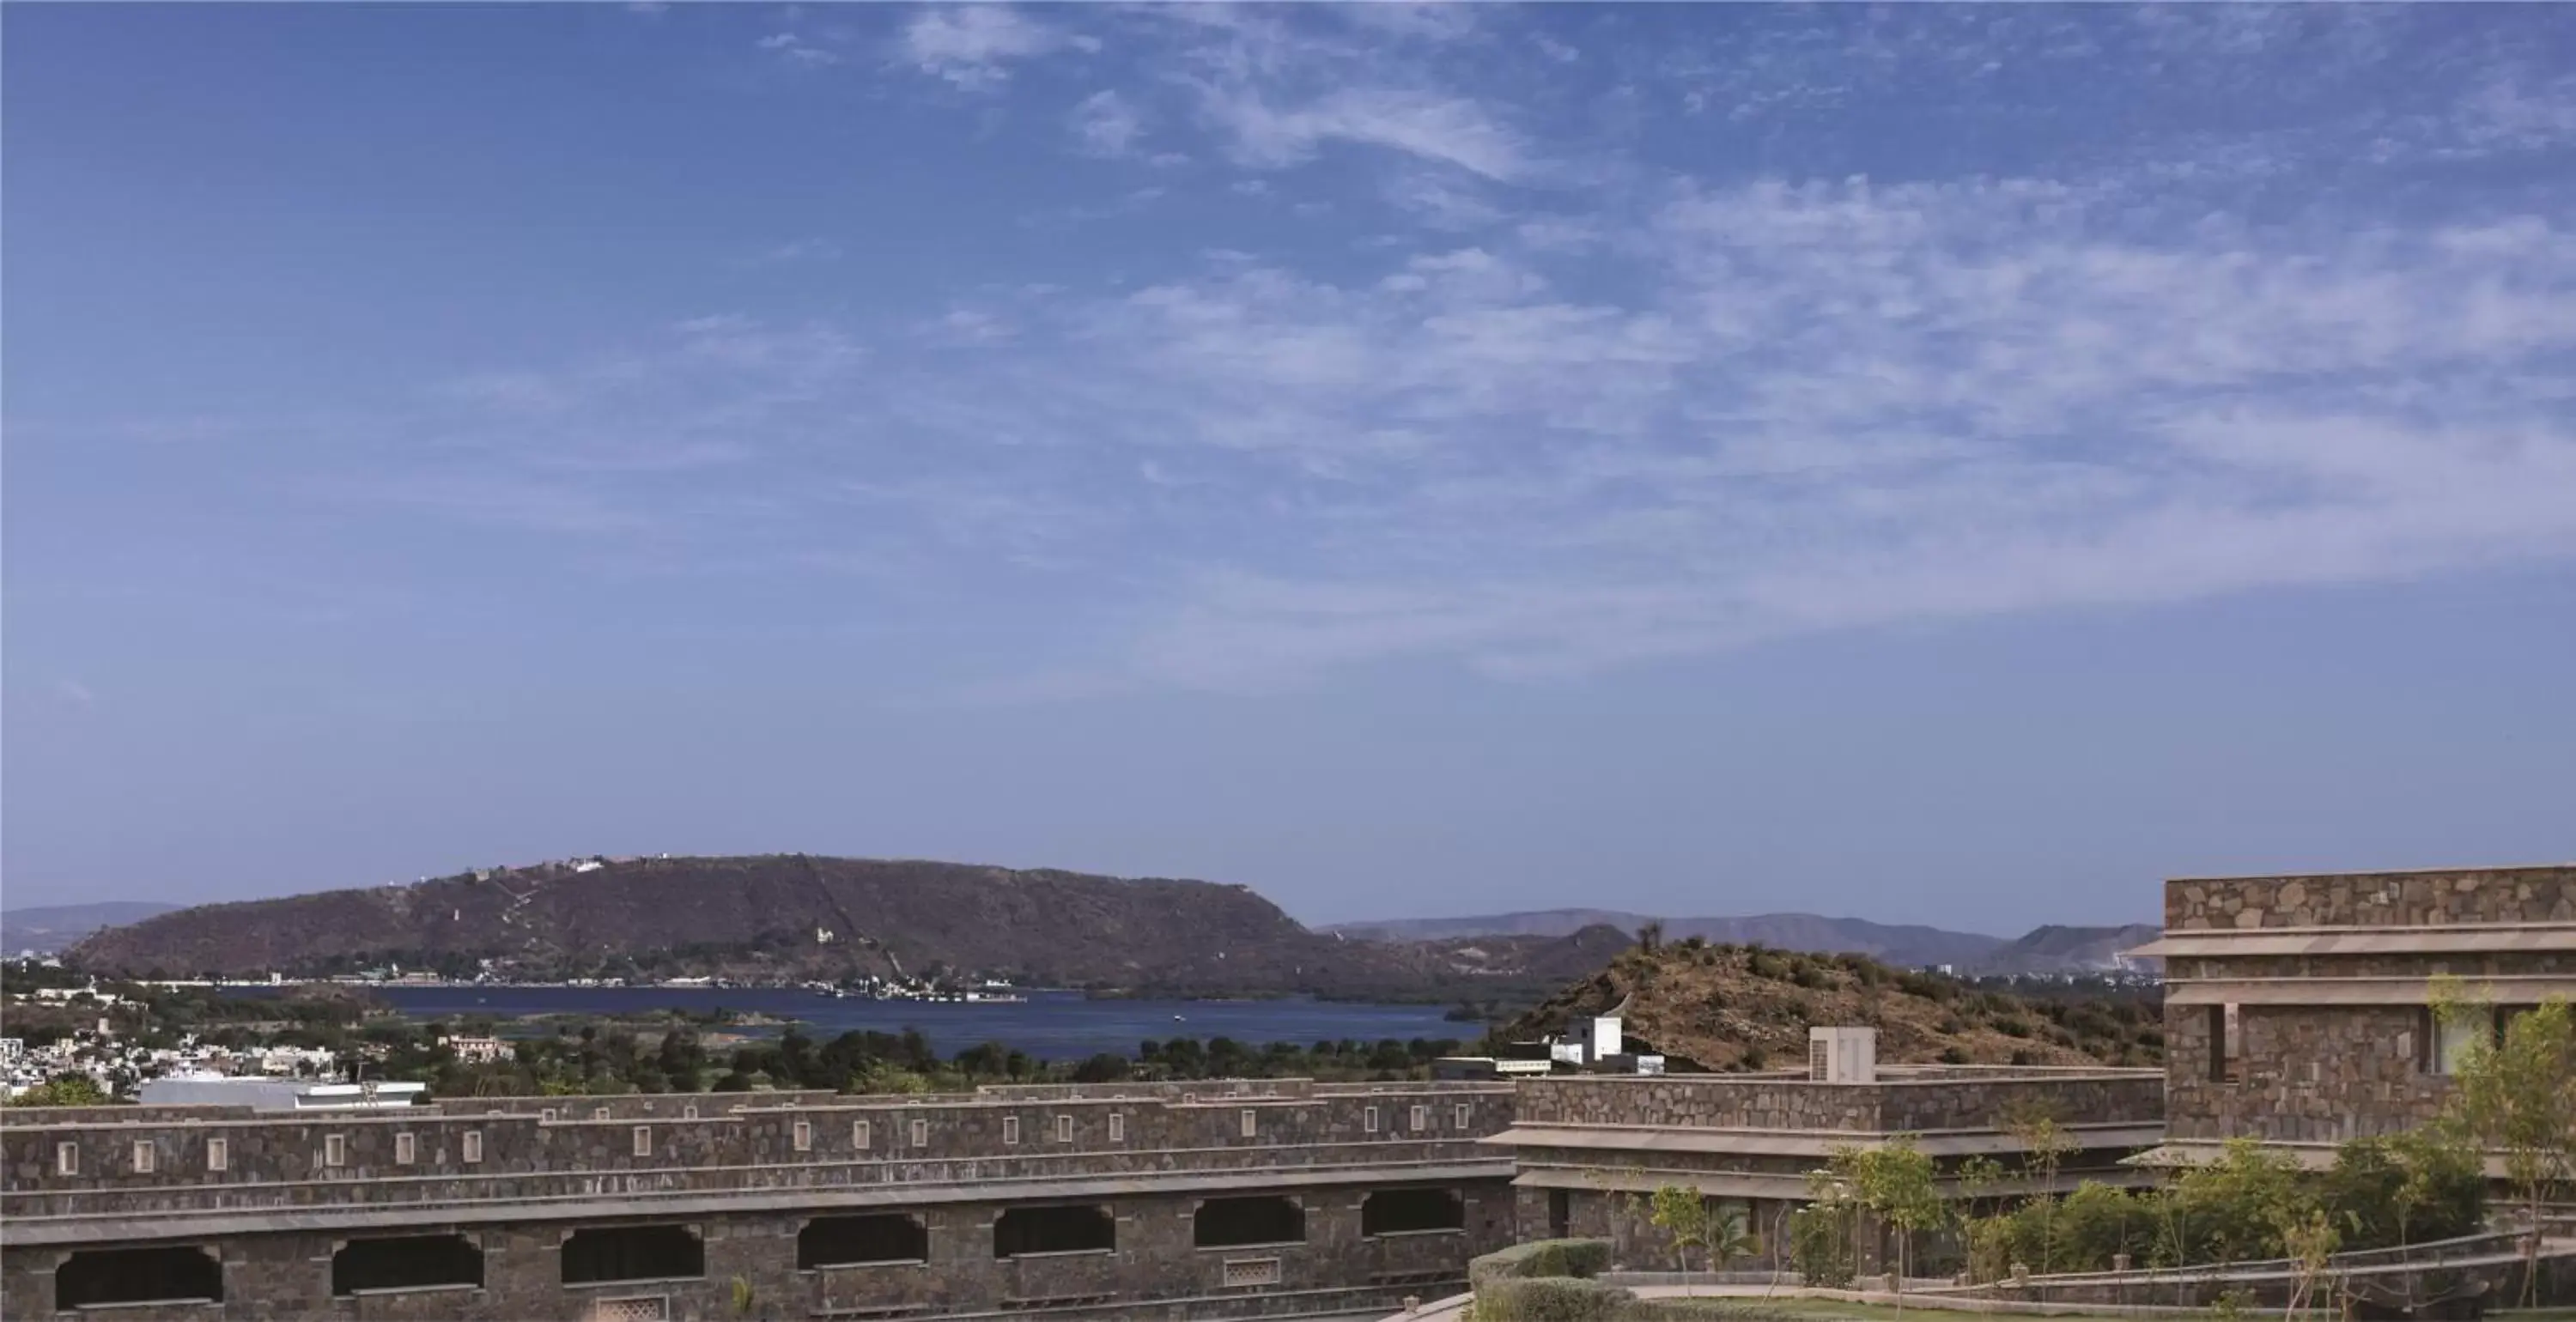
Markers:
point(1944, 465)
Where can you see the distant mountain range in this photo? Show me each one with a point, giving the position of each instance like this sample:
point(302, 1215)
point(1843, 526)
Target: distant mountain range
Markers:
point(799, 917)
point(48, 929)
point(1903, 945)
point(791, 916)
point(2051, 949)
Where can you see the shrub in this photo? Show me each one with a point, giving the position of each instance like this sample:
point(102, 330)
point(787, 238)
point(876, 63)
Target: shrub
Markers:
point(1543, 1257)
point(1550, 1299)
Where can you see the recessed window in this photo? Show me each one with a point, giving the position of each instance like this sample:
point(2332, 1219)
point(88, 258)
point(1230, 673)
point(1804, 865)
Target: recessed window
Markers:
point(803, 1134)
point(1465, 1114)
point(643, 1140)
point(98, 1278)
point(859, 1135)
point(1251, 1123)
point(599, 1113)
point(852, 1241)
point(1020, 1231)
point(1412, 1212)
point(633, 1253)
point(1010, 1129)
point(218, 1154)
point(1117, 1127)
point(1234, 1222)
point(473, 1145)
point(1368, 1120)
point(144, 1152)
point(335, 1149)
point(404, 1149)
point(689, 1112)
point(1421, 1117)
point(547, 1115)
point(418, 1262)
point(1064, 1129)
point(921, 1133)
point(2226, 1044)
point(67, 1159)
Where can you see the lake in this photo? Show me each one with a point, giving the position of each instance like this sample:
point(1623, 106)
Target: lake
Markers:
point(1050, 1025)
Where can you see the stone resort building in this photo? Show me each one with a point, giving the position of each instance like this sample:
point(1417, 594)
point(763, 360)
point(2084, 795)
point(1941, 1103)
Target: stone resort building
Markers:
point(1127, 1201)
point(1585, 1148)
point(2297, 1008)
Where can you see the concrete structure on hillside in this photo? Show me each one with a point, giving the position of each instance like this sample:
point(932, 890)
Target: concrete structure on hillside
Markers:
point(1073, 1202)
point(1584, 1147)
point(2297, 1008)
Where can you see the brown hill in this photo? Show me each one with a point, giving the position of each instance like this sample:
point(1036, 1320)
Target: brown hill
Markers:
point(1748, 1007)
point(787, 914)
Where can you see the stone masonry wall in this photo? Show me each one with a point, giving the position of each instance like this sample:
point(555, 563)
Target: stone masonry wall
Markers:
point(1154, 1272)
point(848, 1142)
point(2373, 899)
point(1724, 1102)
point(2306, 1074)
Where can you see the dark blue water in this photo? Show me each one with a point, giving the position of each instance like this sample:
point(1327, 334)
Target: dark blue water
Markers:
point(1049, 1025)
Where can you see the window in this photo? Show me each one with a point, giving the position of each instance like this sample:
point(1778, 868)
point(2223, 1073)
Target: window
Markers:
point(414, 1262)
point(474, 1145)
point(1235, 1222)
point(599, 1113)
point(547, 1115)
point(1421, 1118)
point(921, 1133)
point(852, 1241)
point(1117, 1127)
point(1021, 1231)
point(859, 1135)
point(1251, 1123)
point(143, 1155)
point(1412, 1212)
point(404, 1149)
point(67, 1159)
point(1464, 1115)
point(644, 1140)
point(218, 1154)
point(2225, 1049)
point(95, 1278)
point(1368, 1120)
point(2451, 1040)
point(1064, 1129)
point(803, 1136)
point(633, 1253)
point(335, 1149)
point(1010, 1129)
point(689, 1112)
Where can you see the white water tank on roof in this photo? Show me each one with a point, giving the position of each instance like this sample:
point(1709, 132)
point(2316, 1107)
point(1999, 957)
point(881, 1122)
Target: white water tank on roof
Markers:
point(1842, 1055)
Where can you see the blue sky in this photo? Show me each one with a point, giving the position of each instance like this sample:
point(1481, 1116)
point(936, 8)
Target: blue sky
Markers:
point(1956, 465)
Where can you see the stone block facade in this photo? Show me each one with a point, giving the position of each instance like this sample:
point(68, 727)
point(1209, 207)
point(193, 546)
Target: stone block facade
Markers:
point(2297, 1008)
point(274, 1197)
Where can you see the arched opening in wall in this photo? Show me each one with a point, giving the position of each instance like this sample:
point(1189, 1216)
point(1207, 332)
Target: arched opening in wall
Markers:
point(1022, 1231)
point(633, 1253)
point(1232, 1222)
point(94, 1278)
point(1412, 1211)
point(849, 1241)
point(413, 1262)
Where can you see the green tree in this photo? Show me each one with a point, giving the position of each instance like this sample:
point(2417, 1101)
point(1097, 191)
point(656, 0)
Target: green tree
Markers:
point(2515, 1093)
point(1896, 1182)
point(2045, 1146)
point(64, 1090)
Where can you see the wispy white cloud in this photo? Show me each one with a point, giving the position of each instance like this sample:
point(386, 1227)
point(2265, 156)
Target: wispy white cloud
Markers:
point(973, 46)
point(1107, 124)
